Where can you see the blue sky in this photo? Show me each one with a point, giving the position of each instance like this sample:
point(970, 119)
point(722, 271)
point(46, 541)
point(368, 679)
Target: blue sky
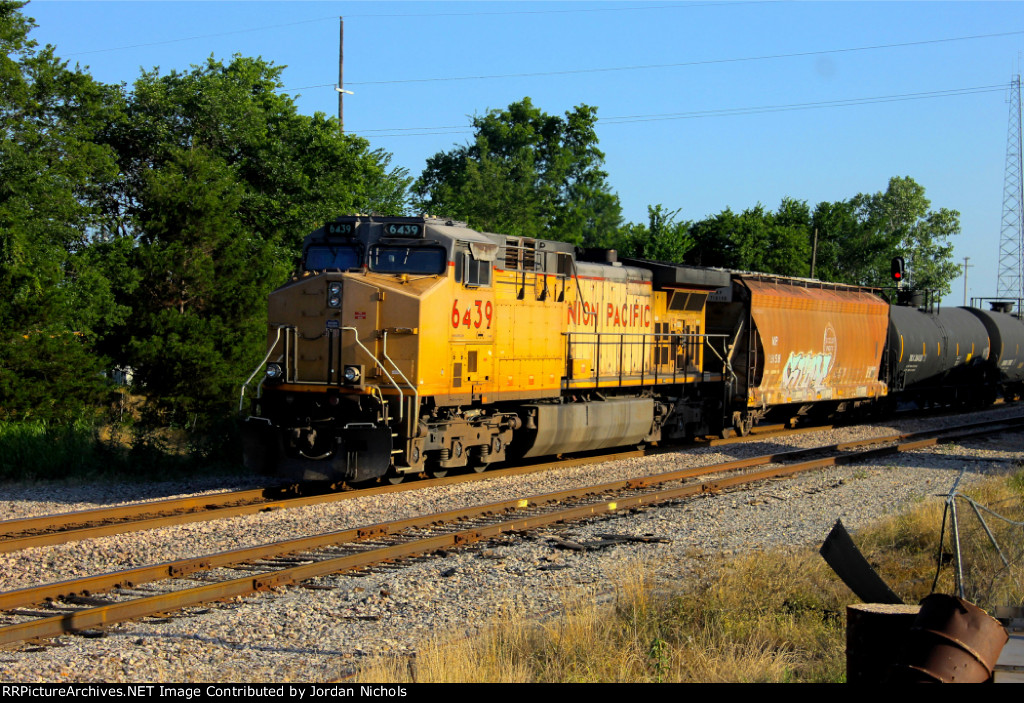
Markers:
point(696, 76)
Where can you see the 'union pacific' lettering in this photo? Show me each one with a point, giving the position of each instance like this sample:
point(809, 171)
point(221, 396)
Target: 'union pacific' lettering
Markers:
point(628, 315)
point(625, 315)
point(582, 314)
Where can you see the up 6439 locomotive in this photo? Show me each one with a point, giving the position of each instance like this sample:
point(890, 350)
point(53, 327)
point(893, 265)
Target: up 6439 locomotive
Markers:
point(405, 345)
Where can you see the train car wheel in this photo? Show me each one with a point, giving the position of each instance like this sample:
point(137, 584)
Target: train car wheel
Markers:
point(437, 472)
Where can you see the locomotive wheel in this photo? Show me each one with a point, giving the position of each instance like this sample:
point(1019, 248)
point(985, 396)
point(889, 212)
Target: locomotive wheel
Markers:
point(437, 472)
point(394, 478)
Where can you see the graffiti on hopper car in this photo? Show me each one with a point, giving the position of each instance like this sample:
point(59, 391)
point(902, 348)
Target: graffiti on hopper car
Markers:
point(806, 370)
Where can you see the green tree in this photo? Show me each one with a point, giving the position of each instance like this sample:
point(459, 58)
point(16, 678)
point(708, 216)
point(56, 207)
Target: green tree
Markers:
point(222, 179)
point(789, 241)
point(199, 314)
point(662, 239)
point(850, 250)
point(755, 240)
point(298, 171)
point(526, 173)
point(901, 215)
point(54, 301)
point(858, 238)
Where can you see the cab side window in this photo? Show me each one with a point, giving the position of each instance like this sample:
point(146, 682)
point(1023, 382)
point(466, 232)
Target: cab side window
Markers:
point(475, 273)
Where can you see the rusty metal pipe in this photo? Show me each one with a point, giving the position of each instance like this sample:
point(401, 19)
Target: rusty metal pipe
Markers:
point(951, 641)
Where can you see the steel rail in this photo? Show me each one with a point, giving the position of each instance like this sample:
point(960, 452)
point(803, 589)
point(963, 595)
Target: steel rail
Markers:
point(764, 432)
point(117, 612)
point(77, 518)
point(133, 518)
point(138, 516)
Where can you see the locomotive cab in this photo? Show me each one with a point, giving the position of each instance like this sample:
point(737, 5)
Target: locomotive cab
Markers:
point(343, 344)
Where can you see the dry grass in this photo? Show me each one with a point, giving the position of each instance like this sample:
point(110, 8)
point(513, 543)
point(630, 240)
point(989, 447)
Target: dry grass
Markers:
point(763, 617)
point(905, 548)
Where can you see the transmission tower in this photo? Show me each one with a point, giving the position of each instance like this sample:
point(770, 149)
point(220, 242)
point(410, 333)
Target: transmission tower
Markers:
point(1011, 242)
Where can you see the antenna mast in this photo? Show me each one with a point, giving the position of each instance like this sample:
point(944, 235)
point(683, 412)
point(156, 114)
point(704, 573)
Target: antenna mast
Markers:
point(1011, 243)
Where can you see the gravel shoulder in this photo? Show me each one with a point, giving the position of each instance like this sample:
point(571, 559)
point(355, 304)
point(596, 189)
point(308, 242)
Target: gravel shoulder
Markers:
point(301, 634)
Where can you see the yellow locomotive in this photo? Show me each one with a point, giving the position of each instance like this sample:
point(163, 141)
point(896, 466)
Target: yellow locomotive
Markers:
point(407, 345)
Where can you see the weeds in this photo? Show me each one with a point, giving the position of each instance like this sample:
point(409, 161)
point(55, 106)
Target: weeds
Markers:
point(87, 449)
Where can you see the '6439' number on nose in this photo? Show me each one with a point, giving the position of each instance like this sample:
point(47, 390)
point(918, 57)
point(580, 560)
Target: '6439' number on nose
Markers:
point(475, 314)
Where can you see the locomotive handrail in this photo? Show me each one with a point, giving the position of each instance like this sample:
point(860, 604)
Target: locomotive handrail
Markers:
point(576, 279)
point(401, 395)
point(648, 334)
point(415, 391)
point(277, 338)
point(686, 339)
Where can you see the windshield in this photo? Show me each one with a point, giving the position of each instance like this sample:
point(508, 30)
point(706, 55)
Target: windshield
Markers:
point(417, 260)
point(324, 257)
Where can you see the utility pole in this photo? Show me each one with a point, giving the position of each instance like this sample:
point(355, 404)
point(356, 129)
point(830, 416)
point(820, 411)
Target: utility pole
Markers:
point(814, 252)
point(966, 266)
point(341, 73)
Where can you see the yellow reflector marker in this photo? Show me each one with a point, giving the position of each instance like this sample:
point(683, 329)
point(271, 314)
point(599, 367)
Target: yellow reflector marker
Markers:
point(612, 506)
point(523, 503)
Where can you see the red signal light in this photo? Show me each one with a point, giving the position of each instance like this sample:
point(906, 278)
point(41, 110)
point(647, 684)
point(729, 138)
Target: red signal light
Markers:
point(897, 268)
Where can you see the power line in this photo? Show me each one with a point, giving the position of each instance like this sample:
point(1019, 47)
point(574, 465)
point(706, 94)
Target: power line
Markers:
point(198, 36)
point(703, 62)
point(718, 112)
point(842, 102)
point(573, 11)
point(413, 15)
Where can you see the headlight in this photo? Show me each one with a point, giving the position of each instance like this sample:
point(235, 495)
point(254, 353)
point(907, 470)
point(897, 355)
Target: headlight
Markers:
point(274, 372)
point(334, 295)
point(352, 374)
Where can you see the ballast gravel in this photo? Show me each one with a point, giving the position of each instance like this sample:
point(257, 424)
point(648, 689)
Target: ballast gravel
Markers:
point(322, 634)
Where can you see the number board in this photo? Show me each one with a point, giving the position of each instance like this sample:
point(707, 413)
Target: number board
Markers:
point(403, 229)
point(342, 229)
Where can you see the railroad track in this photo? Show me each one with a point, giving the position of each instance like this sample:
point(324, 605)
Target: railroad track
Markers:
point(73, 606)
point(46, 530)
